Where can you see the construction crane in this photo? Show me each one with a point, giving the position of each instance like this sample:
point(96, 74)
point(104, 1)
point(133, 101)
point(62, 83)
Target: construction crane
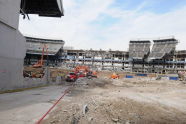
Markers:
point(40, 63)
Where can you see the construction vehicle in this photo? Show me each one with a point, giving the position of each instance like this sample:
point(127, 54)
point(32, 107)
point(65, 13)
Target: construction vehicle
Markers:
point(92, 74)
point(84, 71)
point(40, 63)
point(36, 70)
point(71, 77)
point(114, 76)
point(79, 72)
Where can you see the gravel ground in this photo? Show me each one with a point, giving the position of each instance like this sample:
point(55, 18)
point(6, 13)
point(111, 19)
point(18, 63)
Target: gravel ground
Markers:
point(123, 101)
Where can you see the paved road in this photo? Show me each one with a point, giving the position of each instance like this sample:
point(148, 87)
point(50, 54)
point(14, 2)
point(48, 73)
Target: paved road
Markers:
point(27, 107)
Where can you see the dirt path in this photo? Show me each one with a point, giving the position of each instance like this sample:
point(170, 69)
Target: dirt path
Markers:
point(122, 102)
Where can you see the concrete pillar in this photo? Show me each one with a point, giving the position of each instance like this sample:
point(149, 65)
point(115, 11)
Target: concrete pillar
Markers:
point(102, 66)
point(123, 63)
point(133, 64)
point(83, 59)
point(12, 46)
point(93, 58)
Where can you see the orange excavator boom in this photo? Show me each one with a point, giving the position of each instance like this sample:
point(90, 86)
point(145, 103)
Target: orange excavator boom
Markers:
point(40, 63)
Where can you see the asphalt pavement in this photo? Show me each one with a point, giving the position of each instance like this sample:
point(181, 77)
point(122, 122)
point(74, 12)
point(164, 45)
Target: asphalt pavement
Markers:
point(27, 107)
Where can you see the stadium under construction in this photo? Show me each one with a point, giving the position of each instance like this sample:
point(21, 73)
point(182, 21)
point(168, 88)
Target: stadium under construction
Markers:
point(42, 81)
point(161, 58)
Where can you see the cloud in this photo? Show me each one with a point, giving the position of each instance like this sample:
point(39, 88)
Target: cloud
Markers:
point(98, 24)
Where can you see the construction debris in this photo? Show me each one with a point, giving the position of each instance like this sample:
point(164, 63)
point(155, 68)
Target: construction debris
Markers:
point(33, 72)
point(122, 101)
point(85, 109)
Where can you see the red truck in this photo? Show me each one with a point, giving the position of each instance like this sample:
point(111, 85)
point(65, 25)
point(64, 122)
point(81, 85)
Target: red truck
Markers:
point(80, 71)
point(72, 77)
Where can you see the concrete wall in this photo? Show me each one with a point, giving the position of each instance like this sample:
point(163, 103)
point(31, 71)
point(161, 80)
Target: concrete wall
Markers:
point(25, 82)
point(9, 12)
point(13, 50)
point(33, 82)
point(12, 46)
point(10, 73)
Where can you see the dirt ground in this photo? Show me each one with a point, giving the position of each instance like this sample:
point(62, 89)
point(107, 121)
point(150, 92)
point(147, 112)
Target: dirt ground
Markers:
point(122, 101)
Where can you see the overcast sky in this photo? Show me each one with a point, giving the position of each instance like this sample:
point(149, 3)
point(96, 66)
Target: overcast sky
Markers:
point(105, 24)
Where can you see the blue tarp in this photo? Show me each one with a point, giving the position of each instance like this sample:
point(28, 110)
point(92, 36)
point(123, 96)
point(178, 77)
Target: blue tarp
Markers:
point(129, 76)
point(173, 78)
point(144, 75)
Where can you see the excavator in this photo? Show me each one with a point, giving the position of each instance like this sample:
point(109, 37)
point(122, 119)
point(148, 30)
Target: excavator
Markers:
point(81, 71)
point(36, 70)
point(114, 76)
point(40, 63)
point(84, 71)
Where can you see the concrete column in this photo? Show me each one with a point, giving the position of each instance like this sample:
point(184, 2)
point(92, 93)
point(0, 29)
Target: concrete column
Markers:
point(12, 46)
point(123, 64)
point(93, 58)
point(113, 56)
point(102, 62)
point(132, 65)
point(83, 59)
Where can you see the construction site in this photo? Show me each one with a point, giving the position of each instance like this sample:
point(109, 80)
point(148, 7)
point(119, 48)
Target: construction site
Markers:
point(42, 81)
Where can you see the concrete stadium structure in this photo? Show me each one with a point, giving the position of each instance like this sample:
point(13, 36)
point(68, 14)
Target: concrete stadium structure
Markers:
point(12, 42)
point(139, 58)
point(96, 58)
point(34, 47)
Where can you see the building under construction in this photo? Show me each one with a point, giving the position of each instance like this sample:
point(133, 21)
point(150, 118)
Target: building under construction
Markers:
point(161, 58)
